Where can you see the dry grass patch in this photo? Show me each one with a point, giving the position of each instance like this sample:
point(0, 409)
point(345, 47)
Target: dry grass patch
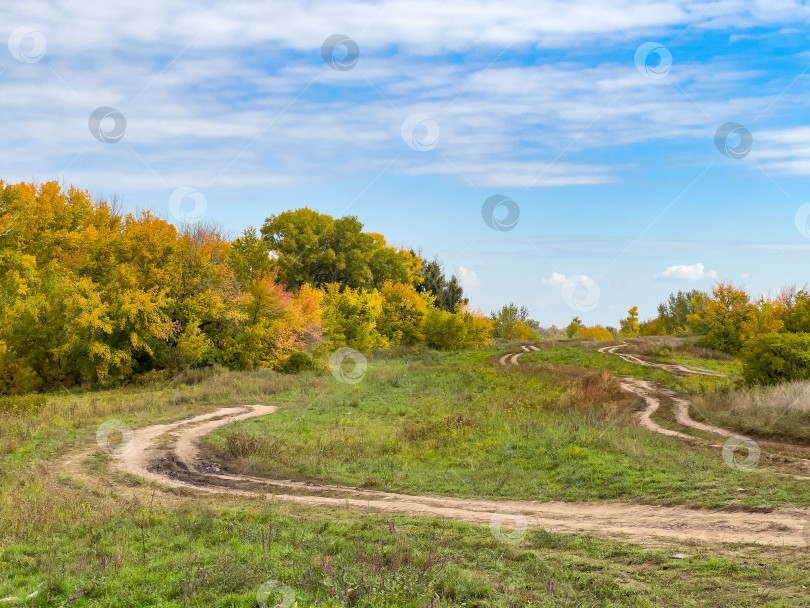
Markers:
point(775, 411)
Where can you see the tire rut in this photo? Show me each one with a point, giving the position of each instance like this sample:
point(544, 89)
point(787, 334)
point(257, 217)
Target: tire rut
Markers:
point(636, 522)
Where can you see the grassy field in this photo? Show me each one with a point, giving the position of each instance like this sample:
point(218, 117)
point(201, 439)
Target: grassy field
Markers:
point(588, 357)
point(447, 423)
point(780, 412)
point(456, 425)
point(213, 555)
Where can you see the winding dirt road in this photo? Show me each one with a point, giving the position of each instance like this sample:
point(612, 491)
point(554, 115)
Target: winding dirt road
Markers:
point(652, 394)
point(672, 368)
point(180, 465)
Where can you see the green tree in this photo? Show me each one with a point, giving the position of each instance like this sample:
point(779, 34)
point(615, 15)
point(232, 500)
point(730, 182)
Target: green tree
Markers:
point(573, 327)
point(393, 264)
point(796, 309)
point(674, 313)
point(249, 257)
point(316, 249)
point(448, 293)
point(510, 323)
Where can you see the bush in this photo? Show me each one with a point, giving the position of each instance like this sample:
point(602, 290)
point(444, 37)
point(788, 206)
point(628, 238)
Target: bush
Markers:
point(777, 358)
point(455, 331)
point(297, 362)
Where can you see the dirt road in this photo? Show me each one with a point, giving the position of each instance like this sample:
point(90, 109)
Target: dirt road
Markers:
point(180, 465)
point(672, 368)
point(787, 459)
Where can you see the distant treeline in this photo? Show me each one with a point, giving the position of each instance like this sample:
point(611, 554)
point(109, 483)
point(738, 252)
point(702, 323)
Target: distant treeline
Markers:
point(772, 335)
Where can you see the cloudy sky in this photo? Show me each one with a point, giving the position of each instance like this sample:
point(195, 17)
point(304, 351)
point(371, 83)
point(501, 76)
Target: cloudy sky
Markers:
point(577, 157)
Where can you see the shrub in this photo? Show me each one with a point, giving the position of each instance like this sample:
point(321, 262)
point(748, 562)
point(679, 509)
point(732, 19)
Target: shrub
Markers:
point(777, 358)
point(455, 331)
point(597, 332)
point(297, 362)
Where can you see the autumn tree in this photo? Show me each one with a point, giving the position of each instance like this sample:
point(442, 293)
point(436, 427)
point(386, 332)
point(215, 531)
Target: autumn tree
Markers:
point(91, 295)
point(456, 331)
point(403, 313)
point(350, 317)
point(510, 323)
point(722, 317)
point(595, 332)
point(629, 325)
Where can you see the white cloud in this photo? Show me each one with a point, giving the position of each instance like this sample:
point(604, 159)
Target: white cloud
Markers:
point(422, 26)
point(468, 278)
point(682, 272)
point(555, 280)
point(783, 150)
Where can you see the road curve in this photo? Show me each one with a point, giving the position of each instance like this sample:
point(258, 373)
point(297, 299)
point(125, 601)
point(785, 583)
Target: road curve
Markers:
point(143, 457)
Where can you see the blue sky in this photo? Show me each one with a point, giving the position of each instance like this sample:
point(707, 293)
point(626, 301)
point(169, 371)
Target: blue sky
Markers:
point(609, 154)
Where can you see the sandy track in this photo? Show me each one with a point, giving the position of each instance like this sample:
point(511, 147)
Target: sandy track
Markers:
point(650, 393)
point(672, 368)
point(637, 522)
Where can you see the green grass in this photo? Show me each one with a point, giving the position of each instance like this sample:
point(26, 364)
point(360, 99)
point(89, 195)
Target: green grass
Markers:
point(469, 428)
point(457, 426)
point(153, 556)
point(732, 367)
point(589, 358)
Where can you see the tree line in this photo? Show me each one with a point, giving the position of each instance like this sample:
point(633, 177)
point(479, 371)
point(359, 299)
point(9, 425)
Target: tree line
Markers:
point(770, 334)
point(91, 295)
